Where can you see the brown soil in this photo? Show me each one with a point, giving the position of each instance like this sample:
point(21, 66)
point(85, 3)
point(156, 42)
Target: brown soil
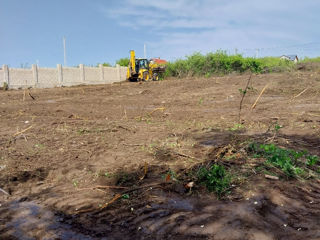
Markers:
point(57, 148)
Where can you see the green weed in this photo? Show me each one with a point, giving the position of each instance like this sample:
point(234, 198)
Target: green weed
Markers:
point(312, 160)
point(292, 163)
point(125, 196)
point(236, 127)
point(214, 178)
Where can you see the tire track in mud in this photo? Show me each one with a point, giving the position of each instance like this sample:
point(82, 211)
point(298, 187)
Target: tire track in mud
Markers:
point(258, 217)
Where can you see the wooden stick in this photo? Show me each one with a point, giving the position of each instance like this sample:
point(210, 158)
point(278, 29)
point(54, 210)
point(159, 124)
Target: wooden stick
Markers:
point(18, 133)
point(271, 177)
point(1, 190)
point(114, 187)
point(103, 187)
point(243, 95)
point(115, 198)
point(255, 103)
point(300, 93)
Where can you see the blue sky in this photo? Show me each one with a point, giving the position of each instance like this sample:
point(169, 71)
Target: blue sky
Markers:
point(103, 31)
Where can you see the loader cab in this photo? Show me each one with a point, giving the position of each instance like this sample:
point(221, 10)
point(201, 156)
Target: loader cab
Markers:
point(141, 63)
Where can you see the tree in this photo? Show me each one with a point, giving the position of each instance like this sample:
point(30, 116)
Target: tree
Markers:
point(105, 64)
point(123, 62)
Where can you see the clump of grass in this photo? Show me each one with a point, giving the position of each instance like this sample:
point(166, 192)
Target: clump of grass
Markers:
point(215, 178)
point(292, 163)
point(5, 86)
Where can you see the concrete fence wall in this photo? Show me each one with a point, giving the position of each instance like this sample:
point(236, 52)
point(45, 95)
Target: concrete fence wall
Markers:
point(61, 76)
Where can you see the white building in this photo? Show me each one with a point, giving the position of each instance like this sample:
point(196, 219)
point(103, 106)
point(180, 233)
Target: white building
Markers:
point(293, 58)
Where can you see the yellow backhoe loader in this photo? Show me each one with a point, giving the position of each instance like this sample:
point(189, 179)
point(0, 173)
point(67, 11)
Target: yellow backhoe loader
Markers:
point(142, 69)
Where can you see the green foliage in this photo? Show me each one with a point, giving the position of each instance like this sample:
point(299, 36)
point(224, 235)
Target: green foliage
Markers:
point(221, 63)
point(291, 162)
point(236, 127)
point(312, 160)
point(306, 60)
point(125, 196)
point(214, 178)
point(5, 86)
point(105, 64)
point(123, 62)
point(277, 127)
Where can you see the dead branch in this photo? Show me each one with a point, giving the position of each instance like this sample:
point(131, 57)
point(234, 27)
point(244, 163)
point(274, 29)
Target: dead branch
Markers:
point(18, 133)
point(33, 98)
point(103, 187)
point(1, 190)
point(145, 171)
point(186, 156)
point(299, 94)
point(243, 95)
point(255, 103)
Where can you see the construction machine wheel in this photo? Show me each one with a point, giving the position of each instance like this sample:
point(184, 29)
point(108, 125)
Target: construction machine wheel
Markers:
point(145, 76)
point(155, 77)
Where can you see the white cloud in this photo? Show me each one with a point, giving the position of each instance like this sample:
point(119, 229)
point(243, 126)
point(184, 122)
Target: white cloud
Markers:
point(185, 26)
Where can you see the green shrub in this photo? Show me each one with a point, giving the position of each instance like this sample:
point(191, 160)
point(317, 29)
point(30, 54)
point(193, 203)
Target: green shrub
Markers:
point(220, 62)
point(215, 179)
point(123, 62)
point(105, 64)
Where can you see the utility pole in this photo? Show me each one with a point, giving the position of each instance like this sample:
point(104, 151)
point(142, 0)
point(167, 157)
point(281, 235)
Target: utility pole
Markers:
point(64, 51)
point(145, 50)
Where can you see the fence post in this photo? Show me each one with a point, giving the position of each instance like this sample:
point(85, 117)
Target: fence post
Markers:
point(101, 72)
point(35, 74)
point(6, 74)
point(82, 74)
point(118, 72)
point(60, 75)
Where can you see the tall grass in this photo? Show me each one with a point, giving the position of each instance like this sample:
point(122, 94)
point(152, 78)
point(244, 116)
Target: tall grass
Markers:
point(307, 60)
point(219, 62)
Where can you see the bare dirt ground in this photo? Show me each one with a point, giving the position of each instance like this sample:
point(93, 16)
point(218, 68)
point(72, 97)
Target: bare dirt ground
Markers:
point(60, 150)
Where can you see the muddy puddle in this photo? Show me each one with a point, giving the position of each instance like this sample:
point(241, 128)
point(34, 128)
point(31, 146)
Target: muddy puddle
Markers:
point(29, 220)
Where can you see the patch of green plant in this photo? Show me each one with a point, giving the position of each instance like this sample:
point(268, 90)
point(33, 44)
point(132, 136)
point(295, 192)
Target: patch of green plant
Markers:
point(236, 127)
point(312, 160)
point(216, 179)
point(306, 60)
point(105, 64)
point(125, 196)
point(83, 131)
point(75, 183)
point(277, 127)
point(220, 63)
point(5, 86)
point(123, 62)
point(292, 163)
